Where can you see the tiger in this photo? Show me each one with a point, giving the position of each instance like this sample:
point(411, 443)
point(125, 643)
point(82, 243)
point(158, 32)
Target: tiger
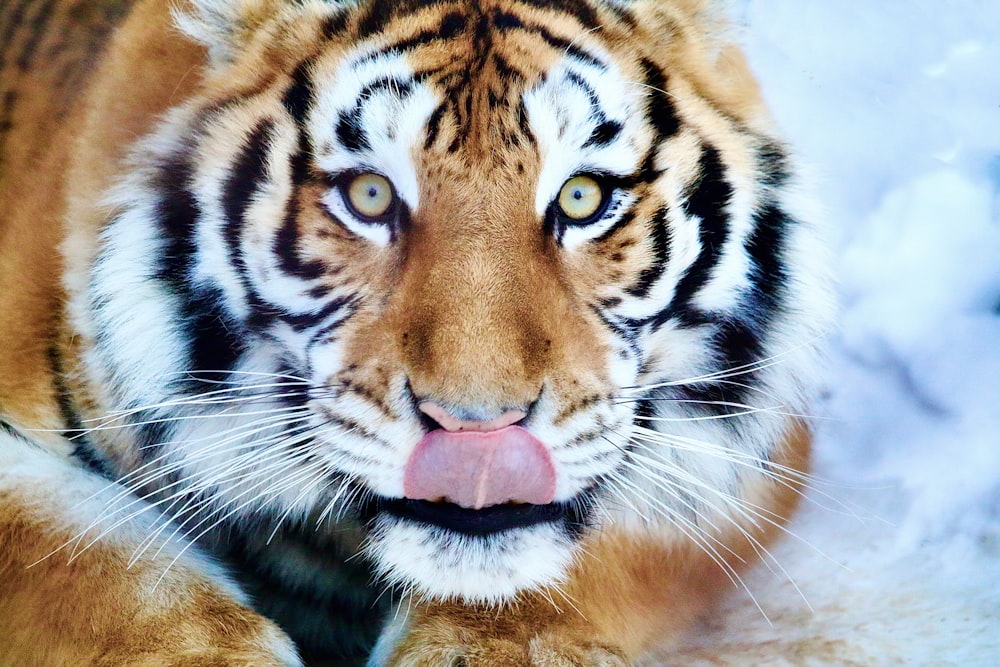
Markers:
point(392, 332)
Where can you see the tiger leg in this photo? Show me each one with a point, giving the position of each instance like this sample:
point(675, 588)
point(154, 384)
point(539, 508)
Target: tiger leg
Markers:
point(95, 609)
point(629, 592)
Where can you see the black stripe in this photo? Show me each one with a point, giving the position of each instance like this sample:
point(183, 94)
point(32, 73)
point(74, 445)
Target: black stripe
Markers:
point(647, 170)
point(604, 134)
point(626, 219)
point(661, 255)
point(248, 174)
point(6, 120)
point(150, 437)
point(739, 340)
point(297, 100)
point(659, 107)
point(11, 431)
point(582, 12)
point(381, 12)
point(325, 334)
point(350, 132)
point(72, 425)
point(592, 98)
point(36, 28)
point(774, 164)
point(506, 72)
point(451, 25)
point(567, 47)
point(624, 329)
point(215, 340)
point(286, 245)
point(176, 214)
point(434, 125)
point(298, 97)
point(766, 247)
point(402, 87)
point(708, 202)
point(623, 15)
point(85, 452)
point(504, 21)
point(12, 24)
point(246, 179)
point(336, 24)
point(303, 321)
point(523, 122)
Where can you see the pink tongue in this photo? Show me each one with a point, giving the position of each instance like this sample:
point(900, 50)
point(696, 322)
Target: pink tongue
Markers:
point(480, 469)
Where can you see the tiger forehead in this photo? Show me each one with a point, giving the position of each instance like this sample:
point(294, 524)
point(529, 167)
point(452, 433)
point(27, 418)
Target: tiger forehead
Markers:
point(480, 59)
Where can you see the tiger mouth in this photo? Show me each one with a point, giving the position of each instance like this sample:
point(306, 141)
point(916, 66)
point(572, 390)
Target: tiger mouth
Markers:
point(488, 520)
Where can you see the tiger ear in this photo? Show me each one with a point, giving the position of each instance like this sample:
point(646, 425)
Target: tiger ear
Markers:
point(222, 26)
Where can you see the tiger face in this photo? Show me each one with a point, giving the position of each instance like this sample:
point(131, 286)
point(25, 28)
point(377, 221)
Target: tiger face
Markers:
point(482, 277)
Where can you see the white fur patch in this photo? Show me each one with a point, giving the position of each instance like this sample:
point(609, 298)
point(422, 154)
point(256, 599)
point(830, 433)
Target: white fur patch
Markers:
point(393, 123)
point(489, 570)
point(563, 117)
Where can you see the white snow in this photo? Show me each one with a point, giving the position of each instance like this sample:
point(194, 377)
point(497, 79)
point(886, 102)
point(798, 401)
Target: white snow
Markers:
point(896, 108)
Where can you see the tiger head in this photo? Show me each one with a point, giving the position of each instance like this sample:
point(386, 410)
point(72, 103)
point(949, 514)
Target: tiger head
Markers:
point(481, 276)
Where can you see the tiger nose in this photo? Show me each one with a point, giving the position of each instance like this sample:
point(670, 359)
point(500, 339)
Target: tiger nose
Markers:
point(453, 424)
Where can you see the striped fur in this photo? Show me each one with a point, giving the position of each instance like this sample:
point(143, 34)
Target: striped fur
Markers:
point(241, 353)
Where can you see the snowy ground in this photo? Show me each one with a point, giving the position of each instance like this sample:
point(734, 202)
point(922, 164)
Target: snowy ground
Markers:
point(896, 107)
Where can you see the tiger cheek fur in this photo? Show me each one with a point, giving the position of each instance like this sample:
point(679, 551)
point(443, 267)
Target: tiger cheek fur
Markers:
point(495, 313)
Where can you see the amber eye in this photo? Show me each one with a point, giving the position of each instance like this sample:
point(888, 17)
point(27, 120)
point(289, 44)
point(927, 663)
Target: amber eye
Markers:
point(581, 198)
point(369, 195)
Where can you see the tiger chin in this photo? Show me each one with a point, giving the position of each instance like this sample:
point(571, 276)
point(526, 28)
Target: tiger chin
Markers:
point(401, 332)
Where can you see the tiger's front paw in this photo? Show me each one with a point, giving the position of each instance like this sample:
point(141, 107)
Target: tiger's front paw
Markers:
point(224, 634)
point(451, 635)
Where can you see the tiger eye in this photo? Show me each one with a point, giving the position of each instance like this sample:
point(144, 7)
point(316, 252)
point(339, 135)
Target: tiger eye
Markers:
point(581, 197)
point(370, 195)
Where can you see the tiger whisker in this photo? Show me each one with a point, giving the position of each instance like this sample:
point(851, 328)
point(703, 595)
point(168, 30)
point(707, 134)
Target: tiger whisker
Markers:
point(264, 487)
point(235, 474)
point(190, 541)
point(311, 488)
point(732, 383)
point(206, 396)
point(684, 443)
point(184, 418)
point(693, 532)
point(151, 470)
point(194, 373)
point(345, 483)
point(696, 534)
point(752, 513)
point(790, 478)
point(132, 488)
point(769, 410)
point(735, 371)
point(665, 510)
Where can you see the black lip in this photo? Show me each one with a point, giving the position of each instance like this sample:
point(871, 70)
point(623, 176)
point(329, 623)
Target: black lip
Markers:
point(486, 521)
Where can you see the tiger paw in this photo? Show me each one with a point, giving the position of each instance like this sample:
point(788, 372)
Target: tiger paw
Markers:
point(266, 649)
point(452, 635)
point(226, 640)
